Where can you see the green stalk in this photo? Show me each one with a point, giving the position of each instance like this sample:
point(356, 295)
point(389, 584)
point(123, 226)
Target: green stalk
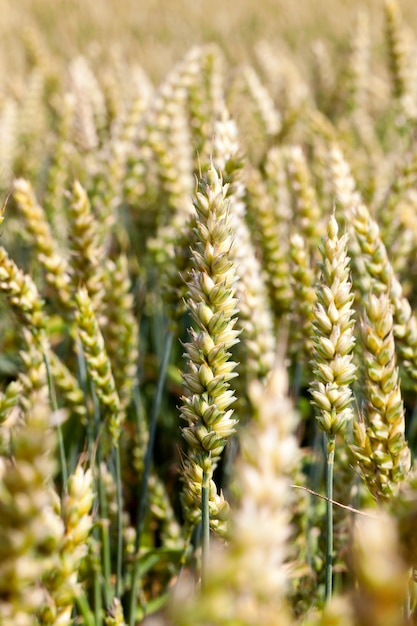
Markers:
point(84, 609)
point(83, 377)
point(329, 516)
point(105, 539)
point(143, 498)
point(54, 405)
point(119, 553)
point(98, 605)
point(205, 517)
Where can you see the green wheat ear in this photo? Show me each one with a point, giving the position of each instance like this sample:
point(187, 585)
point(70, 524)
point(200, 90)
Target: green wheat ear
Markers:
point(333, 338)
point(379, 440)
point(246, 580)
point(213, 306)
point(332, 365)
point(31, 529)
point(62, 583)
point(46, 246)
point(98, 364)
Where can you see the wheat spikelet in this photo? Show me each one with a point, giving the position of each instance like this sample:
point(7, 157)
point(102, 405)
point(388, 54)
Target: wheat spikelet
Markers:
point(213, 306)
point(86, 253)
point(303, 285)
point(247, 580)
point(68, 386)
point(21, 293)
point(61, 583)
point(380, 444)
point(98, 364)
point(264, 107)
point(359, 64)
point(31, 529)
point(90, 105)
point(268, 236)
point(333, 339)
point(56, 266)
point(307, 214)
point(255, 319)
point(398, 50)
point(121, 331)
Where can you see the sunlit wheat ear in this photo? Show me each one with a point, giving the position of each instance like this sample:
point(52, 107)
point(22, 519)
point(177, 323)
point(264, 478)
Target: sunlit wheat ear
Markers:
point(31, 529)
point(358, 87)
point(378, 275)
point(372, 265)
point(162, 510)
point(46, 245)
point(86, 253)
point(381, 575)
point(106, 188)
point(332, 338)
point(359, 64)
point(174, 273)
point(396, 213)
point(62, 583)
point(98, 364)
point(247, 579)
point(331, 364)
point(256, 350)
point(159, 501)
point(213, 307)
point(58, 172)
point(343, 183)
point(275, 216)
point(303, 281)
point(380, 445)
point(191, 496)
point(68, 386)
point(285, 81)
point(9, 413)
point(121, 330)
point(140, 93)
point(263, 104)
point(268, 235)
point(307, 214)
point(323, 73)
point(34, 377)
point(90, 106)
point(33, 121)
point(167, 133)
point(206, 100)
point(21, 293)
point(399, 51)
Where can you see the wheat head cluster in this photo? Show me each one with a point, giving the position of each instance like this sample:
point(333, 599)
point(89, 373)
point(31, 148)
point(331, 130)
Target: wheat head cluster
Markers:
point(208, 296)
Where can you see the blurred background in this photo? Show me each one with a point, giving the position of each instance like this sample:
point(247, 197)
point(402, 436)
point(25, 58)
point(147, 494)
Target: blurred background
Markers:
point(155, 33)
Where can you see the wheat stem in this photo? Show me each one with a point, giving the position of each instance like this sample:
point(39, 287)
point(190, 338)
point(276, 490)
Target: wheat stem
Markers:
point(169, 337)
point(119, 550)
point(105, 540)
point(331, 440)
point(82, 603)
point(205, 518)
point(54, 405)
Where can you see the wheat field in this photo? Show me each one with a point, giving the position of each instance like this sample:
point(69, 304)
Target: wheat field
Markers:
point(208, 298)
